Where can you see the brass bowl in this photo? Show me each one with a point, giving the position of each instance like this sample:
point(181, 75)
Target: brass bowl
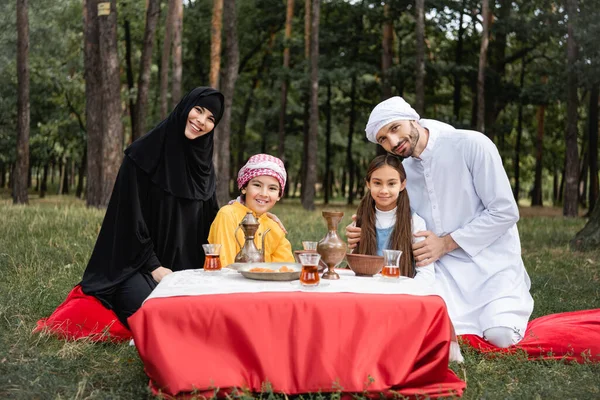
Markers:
point(364, 265)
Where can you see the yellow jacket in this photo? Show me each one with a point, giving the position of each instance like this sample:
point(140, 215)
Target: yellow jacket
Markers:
point(277, 247)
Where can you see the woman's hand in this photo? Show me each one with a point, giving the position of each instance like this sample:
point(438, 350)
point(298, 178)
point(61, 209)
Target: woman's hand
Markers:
point(159, 273)
point(274, 218)
point(353, 233)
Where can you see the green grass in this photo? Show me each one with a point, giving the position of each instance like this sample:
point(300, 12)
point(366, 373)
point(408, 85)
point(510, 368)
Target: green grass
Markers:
point(44, 248)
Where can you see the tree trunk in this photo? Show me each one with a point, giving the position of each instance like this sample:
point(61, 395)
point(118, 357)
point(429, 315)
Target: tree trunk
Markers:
point(177, 65)
point(536, 197)
point(164, 61)
point(583, 176)
point(44, 184)
point(349, 161)
point(593, 145)
point(145, 64)
point(306, 95)
point(327, 180)
point(485, 14)
point(387, 44)
point(458, 63)
point(93, 105)
point(215, 43)
point(20, 174)
point(572, 156)
point(79, 192)
point(308, 191)
point(112, 139)
point(289, 16)
point(589, 237)
point(64, 187)
point(130, 78)
point(517, 165)
point(248, 105)
point(420, 57)
point(222, 138)
point(2, 175)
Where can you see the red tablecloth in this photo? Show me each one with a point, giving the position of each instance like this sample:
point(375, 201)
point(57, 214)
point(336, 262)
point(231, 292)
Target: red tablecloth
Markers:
point(297, 342)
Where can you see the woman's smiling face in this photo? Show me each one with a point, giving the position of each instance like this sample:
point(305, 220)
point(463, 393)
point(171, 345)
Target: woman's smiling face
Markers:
point(200, 121)
point(262, 193)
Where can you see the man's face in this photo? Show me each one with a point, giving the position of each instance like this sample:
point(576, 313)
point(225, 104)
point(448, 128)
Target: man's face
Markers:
point(399, 137)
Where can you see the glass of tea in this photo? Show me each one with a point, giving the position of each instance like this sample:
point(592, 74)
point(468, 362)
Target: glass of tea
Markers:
point(391, 263)
point(310, 269)
point(212, 262)
point(308, 245)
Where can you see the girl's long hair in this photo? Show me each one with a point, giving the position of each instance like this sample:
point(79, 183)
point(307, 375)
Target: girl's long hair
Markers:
point(401, 236)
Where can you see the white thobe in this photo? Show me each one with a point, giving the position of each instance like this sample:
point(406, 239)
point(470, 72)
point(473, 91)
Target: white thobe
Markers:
point(459, 186)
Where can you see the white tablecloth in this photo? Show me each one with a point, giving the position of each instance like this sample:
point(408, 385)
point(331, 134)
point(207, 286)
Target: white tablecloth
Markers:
point(199, 282)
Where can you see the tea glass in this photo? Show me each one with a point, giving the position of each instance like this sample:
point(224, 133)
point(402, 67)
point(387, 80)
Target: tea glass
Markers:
point(212, 261)
point(310, 269)
point(308, 245)
point(391, 264)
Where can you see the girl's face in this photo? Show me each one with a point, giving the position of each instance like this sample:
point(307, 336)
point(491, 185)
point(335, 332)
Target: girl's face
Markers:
point(200, 121)
point(385, 187)
point(262, 192)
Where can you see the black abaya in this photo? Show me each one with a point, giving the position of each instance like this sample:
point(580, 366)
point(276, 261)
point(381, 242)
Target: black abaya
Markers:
point(160, 210)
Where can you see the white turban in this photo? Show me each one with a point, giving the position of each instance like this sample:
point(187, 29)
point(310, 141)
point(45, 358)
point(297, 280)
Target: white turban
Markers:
point(390, 110)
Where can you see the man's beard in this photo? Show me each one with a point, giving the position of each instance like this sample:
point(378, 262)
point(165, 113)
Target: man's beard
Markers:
point(413, 139)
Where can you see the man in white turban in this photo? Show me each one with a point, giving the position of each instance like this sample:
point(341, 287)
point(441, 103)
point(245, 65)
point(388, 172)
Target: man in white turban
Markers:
point(457, 183)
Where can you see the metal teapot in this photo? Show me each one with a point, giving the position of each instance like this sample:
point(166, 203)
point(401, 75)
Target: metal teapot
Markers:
point(248, 252)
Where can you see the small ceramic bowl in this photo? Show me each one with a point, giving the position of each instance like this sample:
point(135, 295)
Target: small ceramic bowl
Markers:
point(364, 265)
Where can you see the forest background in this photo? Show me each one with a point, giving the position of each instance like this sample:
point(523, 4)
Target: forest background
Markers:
point(81, 80)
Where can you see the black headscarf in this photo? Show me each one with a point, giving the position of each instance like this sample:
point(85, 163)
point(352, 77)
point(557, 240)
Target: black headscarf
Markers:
point(178, 165)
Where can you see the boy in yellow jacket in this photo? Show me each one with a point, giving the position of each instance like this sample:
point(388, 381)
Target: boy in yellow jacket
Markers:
point(261, 182)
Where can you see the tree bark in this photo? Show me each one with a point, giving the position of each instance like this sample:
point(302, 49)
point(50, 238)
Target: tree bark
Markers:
point(152, 13)
point(20, 175)
point(536, 198)
point(517, 165)
point(593, 145)
point(589, 237)
point(349, 161)
point(456, 104)
point(420, 57)
point(222, 137)
point(305, 95)
point(64, 187)
point(327, 175)
point(387, 43)
point(572, 157)
point(112, 139)
point(289, 16)
point(79, 191)
point(308, 191)
point(130, 78)
point(482, 64)
point(215, 43)
point(2, 175)
point(177, 63)
point(164, 61)
point(44, 183)
point(93, 105)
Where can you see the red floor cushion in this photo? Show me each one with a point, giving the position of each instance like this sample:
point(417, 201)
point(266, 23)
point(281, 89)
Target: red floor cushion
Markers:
point(572, 336)
point(83, 316)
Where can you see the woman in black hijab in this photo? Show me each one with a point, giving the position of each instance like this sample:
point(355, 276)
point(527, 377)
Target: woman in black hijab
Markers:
point(161, 207)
